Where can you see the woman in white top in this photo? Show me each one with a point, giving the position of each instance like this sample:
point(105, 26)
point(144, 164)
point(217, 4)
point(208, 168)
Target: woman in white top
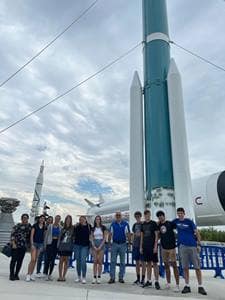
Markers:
point(98, 237)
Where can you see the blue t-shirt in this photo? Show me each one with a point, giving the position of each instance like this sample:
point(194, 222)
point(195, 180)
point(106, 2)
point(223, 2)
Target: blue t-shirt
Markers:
point(119, 231)
point(185, 232)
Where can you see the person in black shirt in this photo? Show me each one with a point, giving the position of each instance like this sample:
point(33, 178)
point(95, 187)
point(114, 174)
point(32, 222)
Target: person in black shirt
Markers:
point(20, 240)
point(168, 247)
point(37, 243)
point(149, 248)
point(136, 255)
point(82, 232)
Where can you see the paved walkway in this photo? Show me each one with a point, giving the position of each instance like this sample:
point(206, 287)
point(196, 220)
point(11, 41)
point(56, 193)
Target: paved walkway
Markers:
point(41, 289)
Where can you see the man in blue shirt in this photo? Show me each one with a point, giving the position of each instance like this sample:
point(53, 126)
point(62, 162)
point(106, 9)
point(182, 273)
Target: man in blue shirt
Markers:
point(119, 232)
point(189, 247)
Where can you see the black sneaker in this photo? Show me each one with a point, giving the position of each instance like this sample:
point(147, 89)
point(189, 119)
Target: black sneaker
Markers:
point(17, 277)
point(12, 277)
point(186, 290)
point(202, 291)
point(111, 281)
point(142, 282)
point(147, 284)
point(136, 282)
point(121, 280)
point(157, 286)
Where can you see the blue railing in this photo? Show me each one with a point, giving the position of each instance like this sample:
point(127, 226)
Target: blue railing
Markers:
point(212, 258)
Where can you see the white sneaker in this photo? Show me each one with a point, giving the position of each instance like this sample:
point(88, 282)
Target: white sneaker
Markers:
point(99, 280)
point(27, 278)
point(176, 289)
point(94, 280)
point(167, 286)
point(38, 275)
point(77, 280)
point(32, 277)
point(84, 281)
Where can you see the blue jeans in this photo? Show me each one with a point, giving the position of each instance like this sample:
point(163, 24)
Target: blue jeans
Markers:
point(81, 254)
point(118, 249)
point(41, 258)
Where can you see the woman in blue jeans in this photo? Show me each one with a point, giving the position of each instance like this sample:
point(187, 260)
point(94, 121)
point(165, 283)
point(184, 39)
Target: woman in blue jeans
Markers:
point(82, 233)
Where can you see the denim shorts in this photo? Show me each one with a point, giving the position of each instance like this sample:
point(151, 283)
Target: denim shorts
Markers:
point(38, 246)
point(97, 243)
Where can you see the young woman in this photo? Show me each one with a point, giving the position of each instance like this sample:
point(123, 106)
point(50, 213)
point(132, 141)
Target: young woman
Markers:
point(20, 240)
point(65, 247)
point(82, 233)
point(51, 246)
point(37, 243)
point(98, 237)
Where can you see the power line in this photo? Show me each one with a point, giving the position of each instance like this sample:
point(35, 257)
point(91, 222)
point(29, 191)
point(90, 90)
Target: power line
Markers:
point(198, 56)
point(49, 44)
point(72, 88)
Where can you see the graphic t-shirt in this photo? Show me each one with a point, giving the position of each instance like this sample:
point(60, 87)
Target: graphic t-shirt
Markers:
point(136, 229)
point(185, 232)
point(21, 235)
point(167, 235)
point(149, 229)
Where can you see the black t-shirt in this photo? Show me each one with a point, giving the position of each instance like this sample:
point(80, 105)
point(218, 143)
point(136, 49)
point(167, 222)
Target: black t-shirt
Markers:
point(167, 235)
point(136, 229)
point(38, 234)
point(82, 234)
point(149, 229)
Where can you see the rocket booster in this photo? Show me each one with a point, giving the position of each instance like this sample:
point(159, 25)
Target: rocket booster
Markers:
point(37, 192)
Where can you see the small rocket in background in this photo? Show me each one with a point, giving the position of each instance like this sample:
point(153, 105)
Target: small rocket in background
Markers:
point(37, 194)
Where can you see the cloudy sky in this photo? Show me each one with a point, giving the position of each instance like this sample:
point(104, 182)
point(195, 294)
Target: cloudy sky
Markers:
point(84, 137)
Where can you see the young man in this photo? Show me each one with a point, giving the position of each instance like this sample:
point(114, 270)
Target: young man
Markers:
point(149, 248)
point(136, 229)
point(119, 232)
point(20, 240)
point(189, 248)
point(168, 248)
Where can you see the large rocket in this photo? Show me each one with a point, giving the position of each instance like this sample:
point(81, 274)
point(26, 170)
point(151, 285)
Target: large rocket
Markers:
point(166, 168)
point(37, 193)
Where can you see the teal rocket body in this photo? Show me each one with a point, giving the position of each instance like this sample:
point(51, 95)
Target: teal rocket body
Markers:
point(158, 157)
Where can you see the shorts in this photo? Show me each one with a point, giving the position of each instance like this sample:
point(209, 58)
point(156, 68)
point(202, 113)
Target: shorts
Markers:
point(97, 243)
point(169, 255)
point(65, 253)
point(136, 255)
point(189, 255)
point(38, 246)
point(149, 255)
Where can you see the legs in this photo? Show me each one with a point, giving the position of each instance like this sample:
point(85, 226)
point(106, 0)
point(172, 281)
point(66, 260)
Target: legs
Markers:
point(48, 258)
point(122, 253)
point(100, 260)
point(21, 253)
point(54, 254)
point(78, 259)
point(13, 263)
point(39, 261)
point(149, 271)
point(84, 254)
point(114, 253)
point(34, 255)
point(63, 266)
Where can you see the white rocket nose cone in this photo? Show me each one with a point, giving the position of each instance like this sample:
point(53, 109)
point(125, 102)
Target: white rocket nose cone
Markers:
point(173, 70)
point(136, 80)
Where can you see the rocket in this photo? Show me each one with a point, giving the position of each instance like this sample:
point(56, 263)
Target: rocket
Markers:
point(37, 193)
point(167, 183)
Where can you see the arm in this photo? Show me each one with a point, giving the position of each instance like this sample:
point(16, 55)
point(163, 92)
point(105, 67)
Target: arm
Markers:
point(128, 234)
point(104, 239)
point(141, 243)
point(13, 237)
point(156, 241)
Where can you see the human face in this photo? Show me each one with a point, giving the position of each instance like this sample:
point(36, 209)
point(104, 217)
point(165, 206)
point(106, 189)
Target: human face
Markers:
point(161, 218)
point(25, 219)
point(82, 220)
point(98, 220)
point(118, 217)
point(68, 221)
point(138, 218)
point(42, 220)
point(57, 219)
point(147, 217)
point(180, 215)
point(49, 220)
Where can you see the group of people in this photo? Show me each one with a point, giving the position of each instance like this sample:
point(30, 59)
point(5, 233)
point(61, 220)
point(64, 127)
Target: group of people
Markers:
point(49, 237)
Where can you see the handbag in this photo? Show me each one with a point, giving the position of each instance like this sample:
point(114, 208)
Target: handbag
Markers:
point(7, 250)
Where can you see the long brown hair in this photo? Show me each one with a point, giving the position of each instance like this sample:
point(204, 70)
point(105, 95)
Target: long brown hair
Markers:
point(71, 222)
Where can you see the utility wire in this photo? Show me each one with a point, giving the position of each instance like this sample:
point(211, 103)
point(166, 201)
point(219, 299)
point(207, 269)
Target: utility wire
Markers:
point(49, 44)
point(72, 88)
point(198, 56)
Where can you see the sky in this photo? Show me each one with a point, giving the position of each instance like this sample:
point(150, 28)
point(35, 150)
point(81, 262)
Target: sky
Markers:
point(84, 137)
